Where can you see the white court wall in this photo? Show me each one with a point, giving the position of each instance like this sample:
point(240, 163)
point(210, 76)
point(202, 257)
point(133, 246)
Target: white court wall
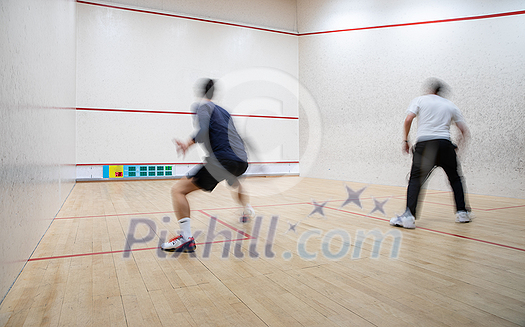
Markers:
point(363, 81)
point(271, 14)
point(140, 62)
point(37, 124)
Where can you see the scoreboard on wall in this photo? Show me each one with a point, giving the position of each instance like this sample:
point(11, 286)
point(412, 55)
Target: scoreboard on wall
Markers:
point(123, 171)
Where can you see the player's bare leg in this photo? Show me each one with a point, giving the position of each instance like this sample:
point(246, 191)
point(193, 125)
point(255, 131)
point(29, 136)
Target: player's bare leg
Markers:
point(179, 191)
point(181, 206)
point(242, 198)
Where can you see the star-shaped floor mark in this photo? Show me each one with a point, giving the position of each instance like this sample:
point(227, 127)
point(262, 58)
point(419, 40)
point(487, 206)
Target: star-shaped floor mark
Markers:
point(291, 227)
point(318, 208)
point(378, 206)
point(353, 197)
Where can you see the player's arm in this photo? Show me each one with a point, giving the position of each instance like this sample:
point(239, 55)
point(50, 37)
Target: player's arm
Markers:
point(462, 126)
point(183, 146)
point(465, 133)
point(406, 130)
point(203, 119)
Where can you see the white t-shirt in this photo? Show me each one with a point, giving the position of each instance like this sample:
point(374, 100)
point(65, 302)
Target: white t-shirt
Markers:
point(434, 116)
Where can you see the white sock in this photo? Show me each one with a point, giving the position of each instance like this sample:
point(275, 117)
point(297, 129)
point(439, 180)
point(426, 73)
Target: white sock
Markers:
point(185, 226)
point(248, 210)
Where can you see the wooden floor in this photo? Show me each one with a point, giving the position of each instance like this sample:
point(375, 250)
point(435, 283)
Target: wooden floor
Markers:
point(288, 268)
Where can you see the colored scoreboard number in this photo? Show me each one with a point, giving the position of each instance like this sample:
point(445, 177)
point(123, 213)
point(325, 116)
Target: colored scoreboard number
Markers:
point(123, 171)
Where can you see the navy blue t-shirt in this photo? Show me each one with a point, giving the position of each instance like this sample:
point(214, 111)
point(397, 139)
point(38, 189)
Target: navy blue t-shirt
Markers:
point(218, 133)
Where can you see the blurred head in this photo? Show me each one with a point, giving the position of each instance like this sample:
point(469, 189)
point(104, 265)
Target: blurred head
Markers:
point(205, 88)
point(436, 86)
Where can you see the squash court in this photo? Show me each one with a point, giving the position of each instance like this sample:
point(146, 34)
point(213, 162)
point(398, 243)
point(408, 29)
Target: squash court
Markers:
point(103, 110)
point(443, 274)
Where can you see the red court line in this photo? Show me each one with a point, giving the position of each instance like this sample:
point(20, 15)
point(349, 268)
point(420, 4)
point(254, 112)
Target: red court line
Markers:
point(447, 20)
point(144, 111)
point(179, 163)
point(270, 205)
point(122, 251)
point(358, 214)
point(117, 214)
point(213, 209)
point(263, 116)
point(227, 225)
point(246, 237)
point(139, 164)
point(300, 203)
point(88, 254)
point(377, 218)
point(186, 17)
point(472, 239)
point(225, 241)
point(519, 206)
point(477, 209)
point(272, 162)
point(201, 210)
point(435, 231)
point(511, 13)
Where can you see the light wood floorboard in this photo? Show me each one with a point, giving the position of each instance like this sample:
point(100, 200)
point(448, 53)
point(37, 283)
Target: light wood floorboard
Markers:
point(337, 265)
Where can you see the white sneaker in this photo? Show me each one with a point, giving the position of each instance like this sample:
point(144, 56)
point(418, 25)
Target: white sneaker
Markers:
point(247, 214)
point(179, 244)
point(463, 217)
point(406, 220)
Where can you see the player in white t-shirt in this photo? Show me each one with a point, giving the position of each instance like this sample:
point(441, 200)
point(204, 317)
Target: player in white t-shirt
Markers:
point(433, 148)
